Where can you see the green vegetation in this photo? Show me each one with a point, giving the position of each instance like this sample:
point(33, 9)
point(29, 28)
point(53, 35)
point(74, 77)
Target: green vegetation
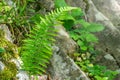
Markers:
point(9, 73)
point(95, 72)
point(36, 50)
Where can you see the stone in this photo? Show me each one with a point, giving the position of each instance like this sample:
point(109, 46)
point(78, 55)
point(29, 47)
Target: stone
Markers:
point(8, 34)
point(62, 67)
point(107, 13)
point(109, 38)
point(2, 66)
point(109, 57)
point(63, 40)
point(109, 8)
point(77, 3)
point(18, 62)
point(22, 75)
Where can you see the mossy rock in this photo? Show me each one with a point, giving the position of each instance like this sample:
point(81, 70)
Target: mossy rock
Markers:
point(8, 52)
point(10, 48)
point(9, 73)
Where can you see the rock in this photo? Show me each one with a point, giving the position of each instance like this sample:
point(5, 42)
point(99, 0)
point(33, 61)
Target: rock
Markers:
point(109, 38)
point(62, 67)
point(7, 32)
point(2, 66)
point(77, 3)
point(17, 62)
point(106, 12)
point(43, 77)
point(22, 75)
point(109, 57)
point(109, 8)
point(63, 40)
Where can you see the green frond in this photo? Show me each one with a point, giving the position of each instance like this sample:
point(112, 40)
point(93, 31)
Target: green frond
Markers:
point(37, 49)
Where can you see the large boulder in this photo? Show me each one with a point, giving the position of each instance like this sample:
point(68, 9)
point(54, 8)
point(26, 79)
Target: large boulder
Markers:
point(62, 67)
point(109, 39)
point(106, 12)
point(109, 8)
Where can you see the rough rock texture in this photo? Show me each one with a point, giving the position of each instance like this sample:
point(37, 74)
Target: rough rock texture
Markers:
point(2, 66)
point(111, 9)
point(22, 75)
point(7, 32)
point(106, 12)
point(109, 38)
point(63, 40)
point(62, 67)
point(77, 3)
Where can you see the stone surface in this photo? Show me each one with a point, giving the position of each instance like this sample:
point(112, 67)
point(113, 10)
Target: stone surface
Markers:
point(22, 75)
point(109, 39)
point(77, 3)
point(17, 62)
point(106, 12)
point(62, 67)
point(109, 57)
point(110, 8)
point(7, 32)
point(2, 66)
point(63, 40)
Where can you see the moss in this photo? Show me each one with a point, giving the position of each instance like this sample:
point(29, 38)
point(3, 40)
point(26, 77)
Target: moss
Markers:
point(9, 72)
point(10, 52)
point(10, 48)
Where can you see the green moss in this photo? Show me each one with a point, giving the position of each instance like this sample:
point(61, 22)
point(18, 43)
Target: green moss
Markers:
point(10, 48)
point(9, 72)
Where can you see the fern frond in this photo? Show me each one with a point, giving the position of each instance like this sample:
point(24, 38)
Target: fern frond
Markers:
point(37, 49)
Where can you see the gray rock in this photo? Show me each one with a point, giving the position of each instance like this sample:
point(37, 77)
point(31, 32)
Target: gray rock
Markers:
point(63, 67)
point(63, 40)
point(17, 62)
point(22, 75)
point(7, 32)
point(106, 12)
point(2, 66)
point(109, 39)
point(110, 8)
point(109, 57)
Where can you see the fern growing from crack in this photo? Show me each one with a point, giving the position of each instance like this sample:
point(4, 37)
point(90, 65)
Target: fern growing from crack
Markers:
point(37, 49)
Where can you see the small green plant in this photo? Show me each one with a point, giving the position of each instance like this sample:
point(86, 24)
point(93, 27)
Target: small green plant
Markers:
point(2, 50)
point(96, 72)
point(101, 73)
point(83, 34)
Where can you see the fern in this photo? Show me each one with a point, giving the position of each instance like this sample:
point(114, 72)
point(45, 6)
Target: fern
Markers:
point(37, 47)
